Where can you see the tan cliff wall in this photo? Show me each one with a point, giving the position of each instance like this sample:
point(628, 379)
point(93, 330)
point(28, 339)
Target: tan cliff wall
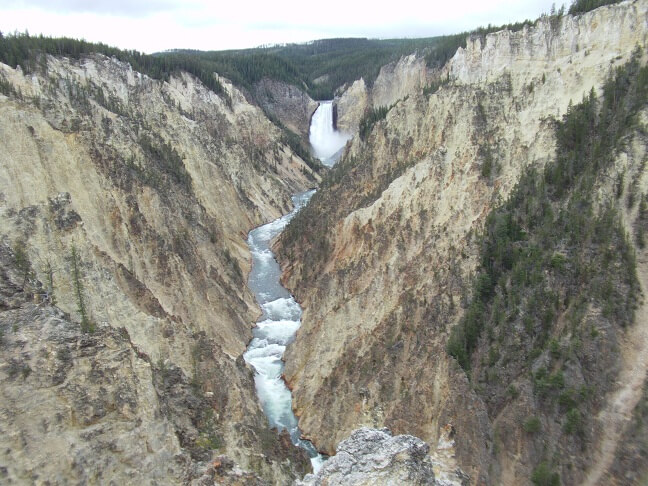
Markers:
point(155, 185)
point(382, 273)
point(394, 82)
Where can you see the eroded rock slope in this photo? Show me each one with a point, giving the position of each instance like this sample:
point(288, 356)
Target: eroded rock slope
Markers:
point(129, 199)
point(384, 270)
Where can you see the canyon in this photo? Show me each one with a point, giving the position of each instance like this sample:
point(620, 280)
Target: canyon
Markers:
point(139, 217)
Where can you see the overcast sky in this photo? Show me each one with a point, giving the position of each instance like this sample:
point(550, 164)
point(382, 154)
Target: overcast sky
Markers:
point(156, 25)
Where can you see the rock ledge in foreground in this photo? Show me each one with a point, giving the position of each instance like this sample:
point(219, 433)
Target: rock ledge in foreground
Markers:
point(375, 457)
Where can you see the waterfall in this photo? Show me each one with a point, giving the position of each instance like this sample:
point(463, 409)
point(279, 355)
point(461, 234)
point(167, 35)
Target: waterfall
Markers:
point(326, 141)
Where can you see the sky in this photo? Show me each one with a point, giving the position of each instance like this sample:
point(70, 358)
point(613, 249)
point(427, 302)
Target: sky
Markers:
point(157, 25)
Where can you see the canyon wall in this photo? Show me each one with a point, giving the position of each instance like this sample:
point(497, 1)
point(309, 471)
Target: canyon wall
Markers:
point(289, 104)
point(382, 259)
point(125, 203)
point(394, 82)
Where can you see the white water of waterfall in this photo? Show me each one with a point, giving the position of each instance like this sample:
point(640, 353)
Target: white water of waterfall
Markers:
point(327, 142)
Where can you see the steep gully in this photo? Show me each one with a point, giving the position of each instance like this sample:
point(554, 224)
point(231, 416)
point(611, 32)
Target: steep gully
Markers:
point(281, 314)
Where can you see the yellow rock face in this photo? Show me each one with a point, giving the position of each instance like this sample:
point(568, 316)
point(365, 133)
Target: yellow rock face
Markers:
point(378, 307)
point(155, 185)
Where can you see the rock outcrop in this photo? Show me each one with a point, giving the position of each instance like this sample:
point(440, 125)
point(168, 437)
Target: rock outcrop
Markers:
point(395, 81)
point(384, 271)
point(76, 407)
point(130, 199)
point(375, 457)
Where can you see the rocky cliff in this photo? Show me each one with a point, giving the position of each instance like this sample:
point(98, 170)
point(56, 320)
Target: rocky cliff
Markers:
point(384, 269)
point(395, 81)
point(371, 456)
point(129, 200)
point(289, 104)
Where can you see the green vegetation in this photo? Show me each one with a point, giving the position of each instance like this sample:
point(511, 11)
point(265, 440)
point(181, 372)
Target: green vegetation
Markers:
point(557, 282)
point(21, 261)
point(17, 367)
point(209, 440)
point(293, 140)
point(546, 383)
point(244, 67)
point(7, 89)
point(330, 63)
point(319, 67)
point(512, 390)
point(166, 160)
point(642, 223)
point(49, 280)
point(162, 368)
point(582, 6)
point(27, 51)
point(548, 247)
point(87, 325)
point(532, 425)
point(370, 118)
point(489, 166)
point(434, 86)
point(543, 476)
point(574, 423)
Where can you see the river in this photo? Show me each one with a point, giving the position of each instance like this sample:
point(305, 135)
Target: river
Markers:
point(281, 314)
